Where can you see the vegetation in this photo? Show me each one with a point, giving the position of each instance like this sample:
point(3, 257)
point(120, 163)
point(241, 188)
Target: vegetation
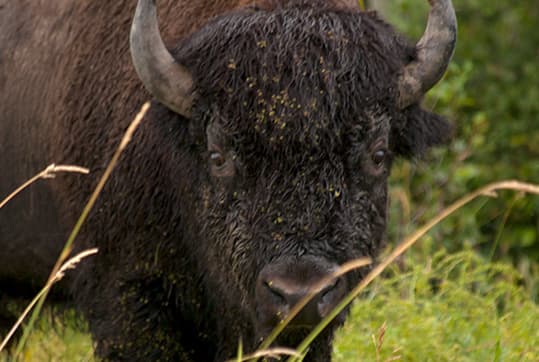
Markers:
point(469, 290)
point(57, 336)
point(446, 308)
point(491, 94)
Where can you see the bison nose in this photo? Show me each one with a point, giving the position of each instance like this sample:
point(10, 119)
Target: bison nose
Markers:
point(285, 294)
point(281, 286)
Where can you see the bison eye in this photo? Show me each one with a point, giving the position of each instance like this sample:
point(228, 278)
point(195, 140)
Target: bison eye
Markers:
point(379, 157)
point(220, 165)
point(217, 159)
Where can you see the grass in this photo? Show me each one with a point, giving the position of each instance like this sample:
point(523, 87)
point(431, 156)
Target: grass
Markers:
point(56, 337)
point(450, 307)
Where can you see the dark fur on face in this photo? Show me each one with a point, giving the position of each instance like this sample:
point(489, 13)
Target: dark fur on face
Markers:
point(286, 157)
point(296, 99)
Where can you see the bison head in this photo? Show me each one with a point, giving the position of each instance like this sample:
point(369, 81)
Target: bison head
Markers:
point(295, 112)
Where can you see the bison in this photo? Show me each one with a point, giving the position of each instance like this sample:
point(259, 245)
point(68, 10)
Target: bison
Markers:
point(261, 166)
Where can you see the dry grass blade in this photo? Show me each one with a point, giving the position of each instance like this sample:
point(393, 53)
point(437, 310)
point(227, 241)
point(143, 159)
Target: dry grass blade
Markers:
point(343, 269)
point(86, 211)
point(269, 353)
point(379, 341)
point(488, 190)
point(108, 171)
point(49, 172)
point(70, 264)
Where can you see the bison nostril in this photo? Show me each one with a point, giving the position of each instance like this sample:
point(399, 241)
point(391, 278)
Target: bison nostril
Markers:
point(277, 294)
point(329, 288)
point(282, 285)
point(330, 296)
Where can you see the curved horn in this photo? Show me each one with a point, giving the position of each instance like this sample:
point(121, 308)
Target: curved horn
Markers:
point(434, 50)
point(167, 80)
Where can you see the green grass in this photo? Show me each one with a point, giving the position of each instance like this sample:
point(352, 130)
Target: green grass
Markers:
point(56, 337)
point(450, 307)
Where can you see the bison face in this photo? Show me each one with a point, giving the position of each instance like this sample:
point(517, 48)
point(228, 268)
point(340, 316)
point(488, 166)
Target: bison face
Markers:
point(299, 195)
point(296, 113)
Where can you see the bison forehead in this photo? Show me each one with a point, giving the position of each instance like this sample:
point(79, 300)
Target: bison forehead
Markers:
point(294, 74)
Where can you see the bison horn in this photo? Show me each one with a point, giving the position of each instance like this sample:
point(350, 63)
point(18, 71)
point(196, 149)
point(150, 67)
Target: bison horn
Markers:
point(167, 80)
point(434, 50)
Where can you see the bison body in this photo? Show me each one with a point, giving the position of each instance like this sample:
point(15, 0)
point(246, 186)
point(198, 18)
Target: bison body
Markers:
point(237, 193)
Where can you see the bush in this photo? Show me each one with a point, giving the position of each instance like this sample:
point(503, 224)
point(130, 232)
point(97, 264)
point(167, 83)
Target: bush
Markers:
point(491, 94)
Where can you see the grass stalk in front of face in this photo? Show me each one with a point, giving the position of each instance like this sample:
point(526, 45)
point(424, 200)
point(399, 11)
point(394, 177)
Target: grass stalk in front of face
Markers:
point(488, 190)
point(275, 353)
point(343, 269)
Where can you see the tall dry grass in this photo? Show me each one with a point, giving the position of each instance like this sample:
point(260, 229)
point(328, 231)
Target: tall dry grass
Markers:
point(49, 172)
point(63, 262)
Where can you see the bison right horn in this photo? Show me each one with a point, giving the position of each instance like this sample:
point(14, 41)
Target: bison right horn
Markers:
point(167, 80)
point(434, 51)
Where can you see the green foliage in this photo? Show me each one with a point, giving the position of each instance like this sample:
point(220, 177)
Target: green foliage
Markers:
point(452, 307)
point(57, 336)
point(491, 94)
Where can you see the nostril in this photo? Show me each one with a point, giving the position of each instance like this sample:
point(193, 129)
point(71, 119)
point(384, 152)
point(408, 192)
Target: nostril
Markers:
point(277, 294)
point(330, 296)
point(329, 288)
point(282, 285)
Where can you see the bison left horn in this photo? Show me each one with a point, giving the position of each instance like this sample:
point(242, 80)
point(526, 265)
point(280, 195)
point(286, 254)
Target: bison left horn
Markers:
point(434, 51)
point(167, 80)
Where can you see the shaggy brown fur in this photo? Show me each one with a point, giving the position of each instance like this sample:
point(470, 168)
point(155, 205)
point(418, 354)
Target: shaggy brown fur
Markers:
point(297, 95)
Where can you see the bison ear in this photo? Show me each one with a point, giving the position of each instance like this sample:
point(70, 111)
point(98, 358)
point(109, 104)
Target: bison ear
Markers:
point(417, 131)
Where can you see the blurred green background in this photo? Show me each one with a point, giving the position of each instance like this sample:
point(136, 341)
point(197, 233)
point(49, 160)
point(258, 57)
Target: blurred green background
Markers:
point(491, 95)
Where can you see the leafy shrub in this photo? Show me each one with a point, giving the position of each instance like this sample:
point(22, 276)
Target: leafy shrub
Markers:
point(491, 93)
